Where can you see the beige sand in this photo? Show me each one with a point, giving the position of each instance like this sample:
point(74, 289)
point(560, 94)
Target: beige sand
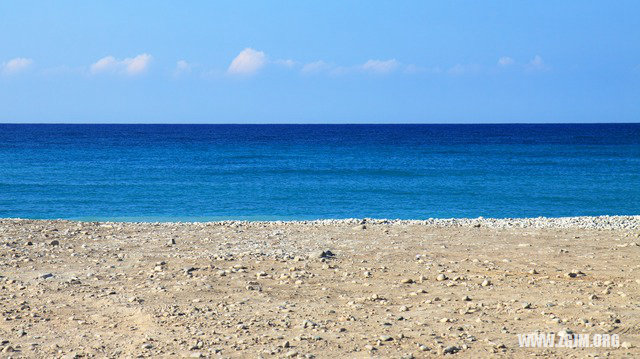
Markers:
point(71, 289)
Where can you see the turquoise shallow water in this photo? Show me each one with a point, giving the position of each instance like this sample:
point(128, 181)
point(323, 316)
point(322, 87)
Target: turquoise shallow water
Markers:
point(274, 172)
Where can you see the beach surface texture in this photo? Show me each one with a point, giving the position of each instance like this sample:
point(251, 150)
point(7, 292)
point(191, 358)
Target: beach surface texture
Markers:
point(348, 288)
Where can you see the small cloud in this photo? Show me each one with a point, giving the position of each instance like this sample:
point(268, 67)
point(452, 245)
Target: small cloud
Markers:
point(248, 62)
point(316, 66)
point(15, 66)
point(104, 64)
point(286, 63)
point(537, 64)
point(137, 64)
point(129, 66)
point(505, 61)
point(182, 67)
point(379, 66)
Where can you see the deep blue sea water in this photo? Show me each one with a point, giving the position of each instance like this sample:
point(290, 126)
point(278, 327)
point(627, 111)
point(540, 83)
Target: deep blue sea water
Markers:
point(260, 172)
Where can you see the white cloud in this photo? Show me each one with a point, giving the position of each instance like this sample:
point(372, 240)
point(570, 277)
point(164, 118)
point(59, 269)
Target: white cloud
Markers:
point(537, 64)
point(104, 64)
point(286, 62)
point(182, 67)
point(248, 62)
point(379, 66)
point(373, 66)
point(137, 64)
point(505, 61)
point(316, 66)
point(129, 66)
point(16, 65)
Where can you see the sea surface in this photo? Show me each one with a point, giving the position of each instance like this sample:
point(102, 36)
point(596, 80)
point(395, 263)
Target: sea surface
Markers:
point(296, 172)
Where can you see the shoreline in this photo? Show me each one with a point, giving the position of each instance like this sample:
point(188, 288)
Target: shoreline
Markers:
point(611, 222)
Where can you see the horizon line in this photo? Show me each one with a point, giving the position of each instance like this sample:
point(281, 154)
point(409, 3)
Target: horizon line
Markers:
point(316, 123)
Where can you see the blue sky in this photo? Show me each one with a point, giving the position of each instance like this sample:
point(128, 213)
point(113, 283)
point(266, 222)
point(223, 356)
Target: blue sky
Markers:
point(319, 62)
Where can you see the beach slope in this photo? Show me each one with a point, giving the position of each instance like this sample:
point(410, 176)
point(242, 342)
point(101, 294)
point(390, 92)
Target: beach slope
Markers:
point(349, 288)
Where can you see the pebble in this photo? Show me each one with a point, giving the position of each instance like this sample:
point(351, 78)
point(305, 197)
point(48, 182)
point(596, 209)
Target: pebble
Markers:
point(451, 350)
point(324, 254)
point(565, 332)
point(441, 277)
point(486, 283)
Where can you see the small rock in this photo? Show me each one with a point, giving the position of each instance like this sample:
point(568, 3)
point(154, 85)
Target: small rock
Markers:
point(406, 281)
point(308, 324)
point(325, 254)
point(441, 277)
point(486, 283)
point(565, 332)
point(54, 242)
point(451, 350)
point(385, 338)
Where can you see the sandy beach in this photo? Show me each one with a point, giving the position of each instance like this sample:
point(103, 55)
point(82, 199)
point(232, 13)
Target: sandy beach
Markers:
point(347, 288)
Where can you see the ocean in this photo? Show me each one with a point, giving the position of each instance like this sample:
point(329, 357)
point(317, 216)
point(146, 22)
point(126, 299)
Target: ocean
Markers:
point(300, 172)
